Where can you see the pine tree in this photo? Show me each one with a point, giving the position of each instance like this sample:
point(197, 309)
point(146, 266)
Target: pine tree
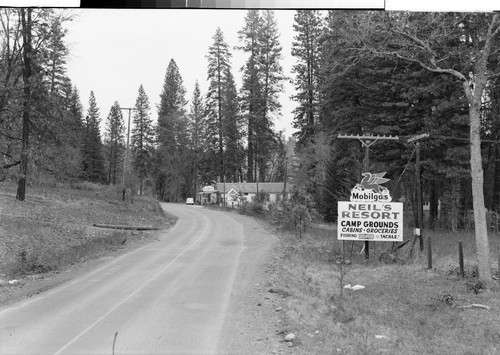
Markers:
point(272, 85)
point(306, 49)
point(62, 150)
point(59, 138)
point(114, 138)
point(74, 134)
point(93, 161)
point(218, 65)
point(196, 116)
point(262, 83)
point(44, 141)
point(170, 159)
point(142, 137)
point(56, 54)
point(251, 91)
point(197, 134)
point(232, 130)
point(270, 57)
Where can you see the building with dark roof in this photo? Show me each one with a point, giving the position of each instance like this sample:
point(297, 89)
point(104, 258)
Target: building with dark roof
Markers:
point(248, 190)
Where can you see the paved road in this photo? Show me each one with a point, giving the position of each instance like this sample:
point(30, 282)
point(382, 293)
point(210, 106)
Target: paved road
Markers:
point(170, 296)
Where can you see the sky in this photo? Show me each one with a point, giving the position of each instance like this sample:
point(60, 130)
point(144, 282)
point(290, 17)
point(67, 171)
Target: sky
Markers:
point(113, 52)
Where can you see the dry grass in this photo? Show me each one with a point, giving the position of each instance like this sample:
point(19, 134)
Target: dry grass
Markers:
point(404, 308)
point(53, 227)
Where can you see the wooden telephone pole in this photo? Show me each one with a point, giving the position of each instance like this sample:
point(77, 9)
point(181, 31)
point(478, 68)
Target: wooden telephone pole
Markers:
point(367, 141)
point(125, 161)
point(420, 215)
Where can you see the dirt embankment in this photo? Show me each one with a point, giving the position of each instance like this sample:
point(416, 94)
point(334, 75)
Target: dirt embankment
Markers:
point(50, 237)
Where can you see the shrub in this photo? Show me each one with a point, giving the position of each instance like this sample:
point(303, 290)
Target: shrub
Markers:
point(87, 186)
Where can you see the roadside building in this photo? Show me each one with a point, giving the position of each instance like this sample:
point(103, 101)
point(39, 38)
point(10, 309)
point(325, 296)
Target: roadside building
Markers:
point(246, 191)
point(208, 196)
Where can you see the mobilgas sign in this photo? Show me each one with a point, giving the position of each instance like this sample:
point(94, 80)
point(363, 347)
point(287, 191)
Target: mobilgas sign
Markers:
point(375, 221)
point(370, 215)
point(369, 189)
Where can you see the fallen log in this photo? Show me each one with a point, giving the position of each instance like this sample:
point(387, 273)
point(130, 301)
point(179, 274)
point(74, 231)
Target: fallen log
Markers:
point(476, 305)
point(135, 228)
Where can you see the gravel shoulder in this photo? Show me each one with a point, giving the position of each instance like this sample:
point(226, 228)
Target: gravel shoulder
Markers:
point(255, 322)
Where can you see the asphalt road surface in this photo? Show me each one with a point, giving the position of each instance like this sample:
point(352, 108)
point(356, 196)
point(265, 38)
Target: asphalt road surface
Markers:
point(169, 297)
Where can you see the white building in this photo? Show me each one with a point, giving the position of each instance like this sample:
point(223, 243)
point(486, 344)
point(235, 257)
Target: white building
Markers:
point(248, 190)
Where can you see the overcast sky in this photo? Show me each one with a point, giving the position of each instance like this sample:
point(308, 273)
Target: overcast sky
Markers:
point(113, 52)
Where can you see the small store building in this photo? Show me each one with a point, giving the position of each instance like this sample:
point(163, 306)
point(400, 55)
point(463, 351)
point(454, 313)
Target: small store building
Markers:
point(208, 195)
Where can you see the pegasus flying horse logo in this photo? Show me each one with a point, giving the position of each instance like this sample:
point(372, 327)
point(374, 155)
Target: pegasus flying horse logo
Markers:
point(372, 182)
point(369, 188)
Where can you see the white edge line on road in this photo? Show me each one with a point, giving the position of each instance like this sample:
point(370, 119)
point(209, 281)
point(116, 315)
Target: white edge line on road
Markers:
point(132, 294)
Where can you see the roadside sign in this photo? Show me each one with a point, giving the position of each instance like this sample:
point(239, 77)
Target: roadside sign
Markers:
point(375, 221)
point(370, 215)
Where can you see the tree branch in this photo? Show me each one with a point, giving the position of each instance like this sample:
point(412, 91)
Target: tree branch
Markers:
point(436, 69)
point(7, 166)
point(418, 41)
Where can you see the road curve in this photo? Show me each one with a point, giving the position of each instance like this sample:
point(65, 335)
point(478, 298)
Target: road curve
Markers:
point(169, 297)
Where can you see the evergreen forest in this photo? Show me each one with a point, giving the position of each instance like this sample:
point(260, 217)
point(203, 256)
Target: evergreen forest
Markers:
point(430, 79)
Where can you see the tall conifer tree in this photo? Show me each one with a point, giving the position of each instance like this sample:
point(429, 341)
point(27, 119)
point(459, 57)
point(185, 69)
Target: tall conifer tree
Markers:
point(262, 83)
point(142, 137)
point(114, 138)
point(306, 49)
point(251, 91)
point(218, 65)
point(170, 158)
point(196, 133)
point(232, 130)
point(93, 162)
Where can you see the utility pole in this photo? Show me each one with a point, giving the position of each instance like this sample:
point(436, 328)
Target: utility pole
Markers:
point(420, 218)
point(125, 161)
point(286, 177)
point(367, 141)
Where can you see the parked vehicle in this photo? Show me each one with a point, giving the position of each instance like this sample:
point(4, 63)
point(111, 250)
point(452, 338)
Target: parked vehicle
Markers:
point(190, 201)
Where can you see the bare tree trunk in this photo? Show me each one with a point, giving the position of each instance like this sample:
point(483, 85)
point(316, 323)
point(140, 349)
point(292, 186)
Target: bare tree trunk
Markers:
point(481, 230)
point(474, 97)
point(250, 160)
point(27, 52)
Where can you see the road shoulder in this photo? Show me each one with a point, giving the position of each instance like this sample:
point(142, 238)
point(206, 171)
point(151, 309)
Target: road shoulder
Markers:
point(32, 285)
point(253, 321)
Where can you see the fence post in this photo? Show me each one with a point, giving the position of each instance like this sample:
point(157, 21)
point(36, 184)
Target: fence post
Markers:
point(429, 252)
point(461, 258)
point(498, 259)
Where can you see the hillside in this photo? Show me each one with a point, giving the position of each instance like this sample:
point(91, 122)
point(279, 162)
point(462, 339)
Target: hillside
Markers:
point(54, 229)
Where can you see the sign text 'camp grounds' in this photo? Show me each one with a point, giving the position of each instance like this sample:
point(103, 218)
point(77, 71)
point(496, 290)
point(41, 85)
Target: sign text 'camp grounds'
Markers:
point(370, 215)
